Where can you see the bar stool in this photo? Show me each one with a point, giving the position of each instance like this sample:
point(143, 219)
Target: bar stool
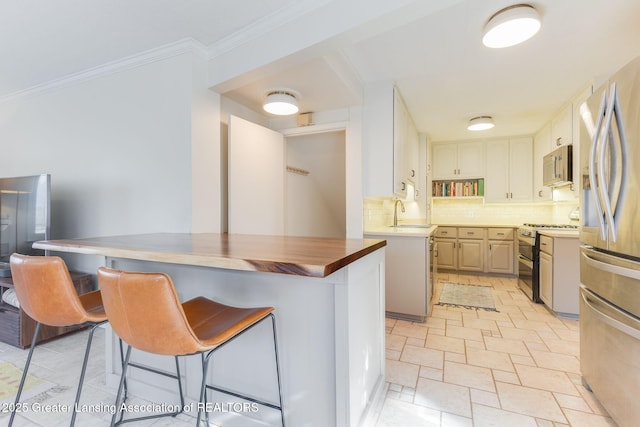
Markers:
point(45, 291)
point(144, 310)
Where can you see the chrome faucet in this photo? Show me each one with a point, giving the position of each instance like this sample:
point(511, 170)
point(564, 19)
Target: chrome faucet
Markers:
point(395, 211)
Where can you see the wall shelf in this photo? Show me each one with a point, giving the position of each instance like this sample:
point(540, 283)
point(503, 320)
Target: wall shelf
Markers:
point(463, 188)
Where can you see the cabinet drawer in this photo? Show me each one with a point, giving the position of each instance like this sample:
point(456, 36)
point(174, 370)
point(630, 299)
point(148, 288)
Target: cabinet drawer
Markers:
point(546, 244)
point(500, 234)
point(450, 232)
point(471, 233)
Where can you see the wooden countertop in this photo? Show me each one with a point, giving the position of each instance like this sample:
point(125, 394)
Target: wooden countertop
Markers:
point(302, 256)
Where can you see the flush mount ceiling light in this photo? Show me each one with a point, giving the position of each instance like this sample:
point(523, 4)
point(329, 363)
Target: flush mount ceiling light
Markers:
point(511, 25)
point(281, 102)
point(481, 123)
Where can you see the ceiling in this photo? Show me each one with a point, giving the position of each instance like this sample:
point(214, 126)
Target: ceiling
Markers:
point(436, 59)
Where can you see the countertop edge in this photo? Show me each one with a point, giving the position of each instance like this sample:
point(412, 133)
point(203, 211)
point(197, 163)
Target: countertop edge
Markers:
point(231, 262)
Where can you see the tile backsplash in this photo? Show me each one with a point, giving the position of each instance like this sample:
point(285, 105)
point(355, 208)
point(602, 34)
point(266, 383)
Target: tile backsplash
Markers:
point(379, 212)
point(447, 211)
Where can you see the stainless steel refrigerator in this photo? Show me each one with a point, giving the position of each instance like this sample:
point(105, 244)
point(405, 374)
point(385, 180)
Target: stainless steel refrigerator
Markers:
point(610, 251)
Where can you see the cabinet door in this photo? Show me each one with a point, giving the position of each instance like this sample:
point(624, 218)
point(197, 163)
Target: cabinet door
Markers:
point(445, 161)
point(471, 160)
point(562, 127)
point(412, 153)
point(406, 275)
point(447, 254)
point(520, 173)
point(496, 188)
point(500, 257)
point(400, 142)
point(546, 279)
point(541, 147)
point(471, 255)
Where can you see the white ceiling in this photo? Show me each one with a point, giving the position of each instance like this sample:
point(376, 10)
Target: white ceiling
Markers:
point(436, 58)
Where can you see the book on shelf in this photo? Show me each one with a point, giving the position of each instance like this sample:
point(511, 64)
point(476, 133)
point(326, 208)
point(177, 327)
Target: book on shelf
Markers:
point(468, 188)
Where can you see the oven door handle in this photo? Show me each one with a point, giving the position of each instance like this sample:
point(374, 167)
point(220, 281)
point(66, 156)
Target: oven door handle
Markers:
point(526, 261)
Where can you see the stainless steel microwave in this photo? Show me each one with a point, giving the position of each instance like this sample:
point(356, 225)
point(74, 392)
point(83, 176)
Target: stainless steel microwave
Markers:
point(558, 167)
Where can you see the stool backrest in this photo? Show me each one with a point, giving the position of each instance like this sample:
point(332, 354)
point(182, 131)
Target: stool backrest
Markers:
point(145, 311)
point(45, 290)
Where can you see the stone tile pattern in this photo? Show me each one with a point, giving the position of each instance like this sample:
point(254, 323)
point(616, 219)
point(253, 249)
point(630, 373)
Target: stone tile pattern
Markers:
point(515, 367)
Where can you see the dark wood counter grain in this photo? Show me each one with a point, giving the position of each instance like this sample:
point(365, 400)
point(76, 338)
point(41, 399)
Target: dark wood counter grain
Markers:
point(302, 256)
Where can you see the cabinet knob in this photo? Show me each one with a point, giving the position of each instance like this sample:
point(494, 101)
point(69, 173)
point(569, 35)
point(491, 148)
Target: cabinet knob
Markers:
point(403, 187)
point(413, 173)
point(540, 193)
point(559, 141)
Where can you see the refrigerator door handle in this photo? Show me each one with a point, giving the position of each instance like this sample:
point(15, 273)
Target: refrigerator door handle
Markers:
point(593, 182)
point(610, 268)
point(622, 157)
point(605, 312)
point(610, 195)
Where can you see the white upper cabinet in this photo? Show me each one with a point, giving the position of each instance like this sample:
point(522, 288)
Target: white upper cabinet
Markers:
point(562, 128)
point(508, 170)
point(541, 147)
point(458, 160)
point(390, 158)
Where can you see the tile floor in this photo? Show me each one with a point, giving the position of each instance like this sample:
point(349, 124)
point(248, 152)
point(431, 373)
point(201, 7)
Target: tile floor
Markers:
point(518, 366)
point(515, 367)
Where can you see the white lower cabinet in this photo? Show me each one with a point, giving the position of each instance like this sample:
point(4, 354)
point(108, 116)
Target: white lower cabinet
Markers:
point(560, 273)
point(546, 278)
point(447, 254)
point(407, 286)
point(476, 249)
point(470, 255)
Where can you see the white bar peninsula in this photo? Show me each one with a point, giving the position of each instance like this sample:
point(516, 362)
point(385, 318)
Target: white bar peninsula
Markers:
point(329, 300)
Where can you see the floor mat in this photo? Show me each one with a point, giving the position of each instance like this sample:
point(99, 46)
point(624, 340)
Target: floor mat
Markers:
point(10, 380)
point(467, 296)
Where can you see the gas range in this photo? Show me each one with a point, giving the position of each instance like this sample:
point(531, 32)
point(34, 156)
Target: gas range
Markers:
point(529, 229)
point(529, 258)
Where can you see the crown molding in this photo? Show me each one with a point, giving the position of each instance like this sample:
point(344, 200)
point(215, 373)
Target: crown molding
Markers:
point(187, 45)
point(264, 26)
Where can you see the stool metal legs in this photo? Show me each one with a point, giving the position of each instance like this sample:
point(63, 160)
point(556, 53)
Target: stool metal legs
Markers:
point(82, 372)
point(205, 369)
point(122, 388)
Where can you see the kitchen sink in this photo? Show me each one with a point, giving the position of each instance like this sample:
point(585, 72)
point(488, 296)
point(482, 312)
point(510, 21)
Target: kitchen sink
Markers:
point(411, 226)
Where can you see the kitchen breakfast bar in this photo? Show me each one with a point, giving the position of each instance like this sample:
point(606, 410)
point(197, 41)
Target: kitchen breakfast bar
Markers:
point(328, 296)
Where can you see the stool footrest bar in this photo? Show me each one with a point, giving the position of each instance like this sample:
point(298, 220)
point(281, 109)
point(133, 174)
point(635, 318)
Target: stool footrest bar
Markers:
point(245, 397)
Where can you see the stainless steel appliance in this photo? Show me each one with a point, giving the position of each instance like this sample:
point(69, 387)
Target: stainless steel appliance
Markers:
point(610, 251)
point(529, 257)
point(557, 167)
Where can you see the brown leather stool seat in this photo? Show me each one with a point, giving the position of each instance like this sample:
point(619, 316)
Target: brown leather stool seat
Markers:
point(145, 311)
point(45, 291)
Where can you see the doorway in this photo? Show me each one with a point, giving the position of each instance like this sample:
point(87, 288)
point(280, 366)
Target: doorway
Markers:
point(315, 191)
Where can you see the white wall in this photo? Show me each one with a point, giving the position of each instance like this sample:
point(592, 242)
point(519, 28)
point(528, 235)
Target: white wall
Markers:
point(118, 148)
point(316, 204)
